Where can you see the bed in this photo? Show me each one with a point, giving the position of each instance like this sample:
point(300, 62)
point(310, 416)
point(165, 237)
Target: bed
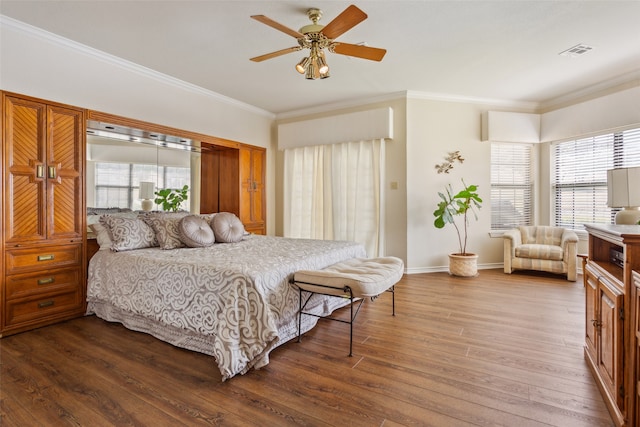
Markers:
point(232, 301)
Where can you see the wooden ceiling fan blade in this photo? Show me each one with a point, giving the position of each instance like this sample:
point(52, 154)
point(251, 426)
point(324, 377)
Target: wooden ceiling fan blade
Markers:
point(349, 18)
point(275, 54)
point(273, 24)
point(365, 52)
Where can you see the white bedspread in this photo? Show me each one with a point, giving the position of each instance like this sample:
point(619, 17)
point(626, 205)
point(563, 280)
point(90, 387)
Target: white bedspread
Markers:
point(232, 300)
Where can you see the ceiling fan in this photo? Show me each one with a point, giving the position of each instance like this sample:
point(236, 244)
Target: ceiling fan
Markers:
point(317, 37)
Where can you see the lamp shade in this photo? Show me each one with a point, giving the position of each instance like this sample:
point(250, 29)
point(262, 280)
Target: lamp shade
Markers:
point(623, 187)
point(147, 189)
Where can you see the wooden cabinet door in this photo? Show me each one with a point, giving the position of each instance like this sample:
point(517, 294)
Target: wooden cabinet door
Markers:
point(258, 194)
point(636, 334)
point(591, 315)
point(44, 151)
point(610, 346)
point(252, 189)
point(246, 186)
point(65, 172)
point(24, 164)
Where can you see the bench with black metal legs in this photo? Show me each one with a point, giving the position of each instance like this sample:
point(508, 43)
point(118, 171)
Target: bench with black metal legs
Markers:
point(355, 279)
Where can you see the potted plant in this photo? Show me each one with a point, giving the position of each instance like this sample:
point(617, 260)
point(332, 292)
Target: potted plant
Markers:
point(462, 204)
point(171, 198)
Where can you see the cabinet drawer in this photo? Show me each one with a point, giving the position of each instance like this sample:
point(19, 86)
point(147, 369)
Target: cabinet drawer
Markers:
point(36, 258)
point(22, 285)
point(38, 308)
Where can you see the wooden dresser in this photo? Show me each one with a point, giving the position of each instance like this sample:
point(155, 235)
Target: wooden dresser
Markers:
point(43, 217)
point(612, 327)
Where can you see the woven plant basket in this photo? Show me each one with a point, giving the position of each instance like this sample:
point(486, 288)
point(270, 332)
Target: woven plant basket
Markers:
point(463, 265)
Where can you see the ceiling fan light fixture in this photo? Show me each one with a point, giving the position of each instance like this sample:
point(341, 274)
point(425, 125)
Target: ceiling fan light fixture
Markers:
point(317, 38)
point(311, 72)
point(301, 67)
point(323, 68)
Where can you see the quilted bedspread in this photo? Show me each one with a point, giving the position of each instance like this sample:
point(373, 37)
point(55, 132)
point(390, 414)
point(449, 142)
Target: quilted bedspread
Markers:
point(231, 300)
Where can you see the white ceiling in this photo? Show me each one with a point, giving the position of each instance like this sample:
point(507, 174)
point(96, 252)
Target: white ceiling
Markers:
point(493, 50)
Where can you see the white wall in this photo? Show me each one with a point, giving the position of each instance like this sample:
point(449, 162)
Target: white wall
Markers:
point(56, 69)
point(435, 128)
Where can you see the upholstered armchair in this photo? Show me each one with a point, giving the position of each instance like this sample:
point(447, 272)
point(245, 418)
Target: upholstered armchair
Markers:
point(542, 248)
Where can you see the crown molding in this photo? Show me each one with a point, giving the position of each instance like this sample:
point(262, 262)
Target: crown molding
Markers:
point(503, 103)
point(622, 82)
point(55, 39)
point(408, 94)
point(332, 107)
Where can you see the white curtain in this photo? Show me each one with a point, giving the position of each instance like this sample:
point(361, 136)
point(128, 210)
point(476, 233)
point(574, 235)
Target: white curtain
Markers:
point(335, 192)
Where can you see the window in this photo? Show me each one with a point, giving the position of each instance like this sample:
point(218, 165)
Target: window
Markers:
point(333, 192)
point(511, 185)
point(580, 176)
point(117, 184)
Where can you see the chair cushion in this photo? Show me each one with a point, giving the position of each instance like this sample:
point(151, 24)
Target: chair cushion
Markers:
point(537, 251)
point(542, 235)
point(367, 277)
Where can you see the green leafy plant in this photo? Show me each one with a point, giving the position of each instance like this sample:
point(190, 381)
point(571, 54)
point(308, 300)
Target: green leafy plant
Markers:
point(458, 205)
point(171, 198)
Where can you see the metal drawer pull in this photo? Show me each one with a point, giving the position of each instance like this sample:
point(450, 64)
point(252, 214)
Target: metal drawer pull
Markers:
point(45, 281)
point(52, 172)
point(49, 257)
point(39, 171)
point(45, 304)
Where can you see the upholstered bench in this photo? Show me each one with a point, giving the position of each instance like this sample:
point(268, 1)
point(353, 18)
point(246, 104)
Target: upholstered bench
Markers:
point(355, 279)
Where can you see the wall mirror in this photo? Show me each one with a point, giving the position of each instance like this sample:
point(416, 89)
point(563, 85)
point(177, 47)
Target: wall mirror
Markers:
point(125, 166)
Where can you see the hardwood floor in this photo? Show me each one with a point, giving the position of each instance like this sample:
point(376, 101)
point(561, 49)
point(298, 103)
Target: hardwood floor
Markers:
point(499, 350)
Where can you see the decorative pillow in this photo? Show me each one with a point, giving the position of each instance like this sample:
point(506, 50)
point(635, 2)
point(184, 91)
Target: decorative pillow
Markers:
point(227, 227)
point(127, 233)
point(195, 232)
point(166, 229)
point(102, 236)
point(95, 218)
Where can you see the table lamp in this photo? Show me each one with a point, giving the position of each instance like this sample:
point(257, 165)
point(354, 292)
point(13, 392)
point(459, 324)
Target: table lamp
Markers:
point(146, 194)
point(623, 191)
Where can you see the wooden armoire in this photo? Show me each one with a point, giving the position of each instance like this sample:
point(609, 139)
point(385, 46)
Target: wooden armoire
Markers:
point(43, 213)
point(233, 181)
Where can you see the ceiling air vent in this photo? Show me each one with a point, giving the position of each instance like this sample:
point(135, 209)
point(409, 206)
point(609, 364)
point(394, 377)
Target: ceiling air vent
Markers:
point(577, 50)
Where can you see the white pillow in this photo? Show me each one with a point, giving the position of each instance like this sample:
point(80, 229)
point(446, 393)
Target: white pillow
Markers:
point(195, 232)
point(227, 227)
point(102, 235)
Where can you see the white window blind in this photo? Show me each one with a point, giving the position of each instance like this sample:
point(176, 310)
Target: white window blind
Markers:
point(511, 185)
point(580, 176)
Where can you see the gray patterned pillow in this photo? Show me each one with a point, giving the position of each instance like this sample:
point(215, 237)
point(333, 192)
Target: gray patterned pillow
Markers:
point(166, 229)
point(227, 227)
point(128, 233)
point(95, 218)
point(195, 232)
